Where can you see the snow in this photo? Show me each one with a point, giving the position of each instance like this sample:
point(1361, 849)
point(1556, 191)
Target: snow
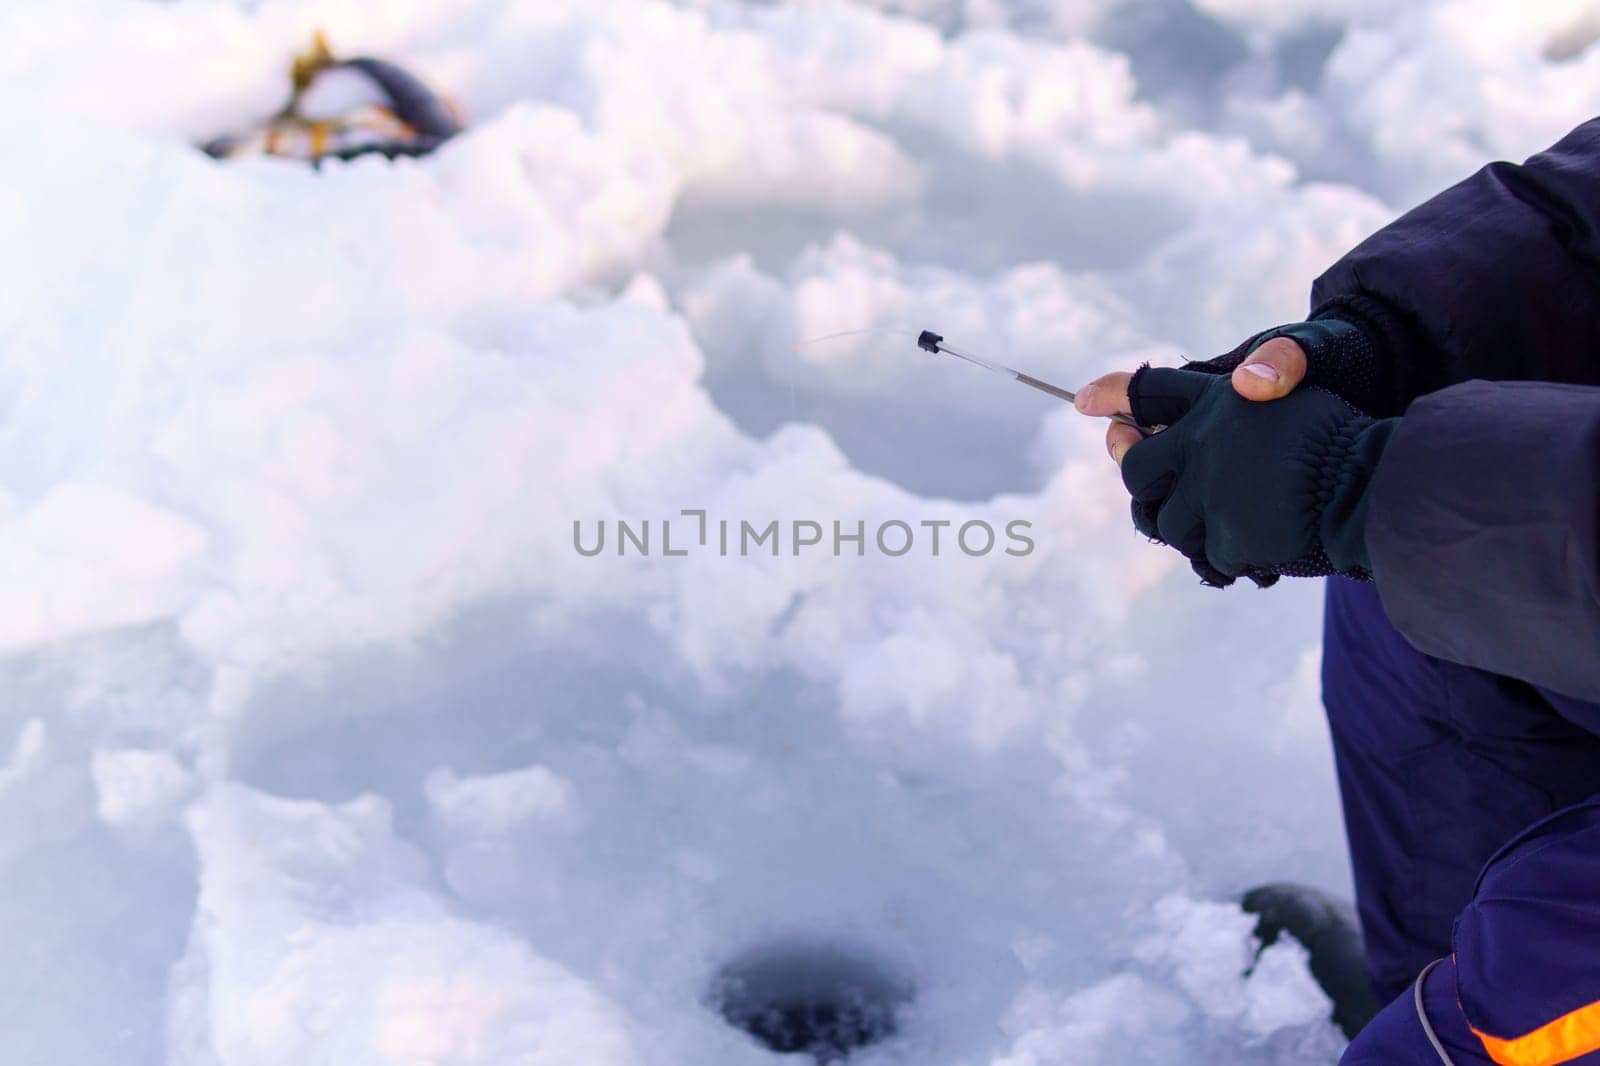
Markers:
point(317, 941)
point(323, 744)
point(139, 790)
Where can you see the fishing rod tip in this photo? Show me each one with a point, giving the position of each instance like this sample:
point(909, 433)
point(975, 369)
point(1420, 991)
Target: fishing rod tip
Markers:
point(929, 341)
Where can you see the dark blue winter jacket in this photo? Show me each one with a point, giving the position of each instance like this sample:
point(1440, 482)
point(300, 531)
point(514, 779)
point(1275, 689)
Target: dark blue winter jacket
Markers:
point(1484, 534)
point(1484, 530)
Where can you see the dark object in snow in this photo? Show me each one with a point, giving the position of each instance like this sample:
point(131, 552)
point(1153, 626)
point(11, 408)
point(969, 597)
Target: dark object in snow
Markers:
point(819, 1000)
point(413, 121)
point(1327, 929)
point(413, 102)
point(929, 341)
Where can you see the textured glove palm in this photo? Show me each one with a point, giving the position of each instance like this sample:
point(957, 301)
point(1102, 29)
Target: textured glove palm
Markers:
point(1248, 489)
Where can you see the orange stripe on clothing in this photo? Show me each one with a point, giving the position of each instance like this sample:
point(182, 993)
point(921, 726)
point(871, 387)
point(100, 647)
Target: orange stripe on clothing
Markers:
point(1563, 1040)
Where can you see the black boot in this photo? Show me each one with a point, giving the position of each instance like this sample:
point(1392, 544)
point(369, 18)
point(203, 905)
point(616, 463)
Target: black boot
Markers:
point(1327, 928)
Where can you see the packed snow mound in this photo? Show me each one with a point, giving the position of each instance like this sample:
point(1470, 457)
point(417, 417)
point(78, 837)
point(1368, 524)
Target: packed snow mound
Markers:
point(317, 940)
point(333, 737)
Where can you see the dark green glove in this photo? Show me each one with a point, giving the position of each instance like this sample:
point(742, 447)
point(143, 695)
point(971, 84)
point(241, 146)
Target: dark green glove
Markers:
point(1247, 489)
point(1340, 357)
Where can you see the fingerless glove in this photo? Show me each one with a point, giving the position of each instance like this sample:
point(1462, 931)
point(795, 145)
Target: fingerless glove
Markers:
point(1341, 357)
point(1247, 489)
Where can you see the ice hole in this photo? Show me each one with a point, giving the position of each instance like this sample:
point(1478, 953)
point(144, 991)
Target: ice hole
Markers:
point(820, 999)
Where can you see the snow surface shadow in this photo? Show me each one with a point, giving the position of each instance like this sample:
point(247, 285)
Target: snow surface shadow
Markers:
point(950, 224)
point(92, 917)
point(959, 454)
point(1179, 55)
point(475, 697)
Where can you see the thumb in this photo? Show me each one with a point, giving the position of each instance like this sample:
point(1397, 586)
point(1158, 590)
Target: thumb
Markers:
point(1271, 371)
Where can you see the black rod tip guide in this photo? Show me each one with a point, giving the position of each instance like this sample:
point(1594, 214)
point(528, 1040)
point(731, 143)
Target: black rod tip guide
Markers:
point(930, 341)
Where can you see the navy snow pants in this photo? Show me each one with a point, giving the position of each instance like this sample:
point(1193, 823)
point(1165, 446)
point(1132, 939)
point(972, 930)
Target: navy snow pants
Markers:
point(1522, 986)
point(1439, 765)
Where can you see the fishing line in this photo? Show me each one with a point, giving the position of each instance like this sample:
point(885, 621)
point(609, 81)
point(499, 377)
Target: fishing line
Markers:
point(905, 331)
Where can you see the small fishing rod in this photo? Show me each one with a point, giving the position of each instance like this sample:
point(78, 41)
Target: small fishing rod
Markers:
point(931, 342)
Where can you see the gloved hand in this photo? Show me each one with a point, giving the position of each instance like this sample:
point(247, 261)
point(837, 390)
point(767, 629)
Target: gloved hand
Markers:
point(1247, 489)
point(1327, 353)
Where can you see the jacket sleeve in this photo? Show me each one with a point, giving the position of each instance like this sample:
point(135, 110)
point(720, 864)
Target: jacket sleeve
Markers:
point(1497, 277)
point(1484, 530)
